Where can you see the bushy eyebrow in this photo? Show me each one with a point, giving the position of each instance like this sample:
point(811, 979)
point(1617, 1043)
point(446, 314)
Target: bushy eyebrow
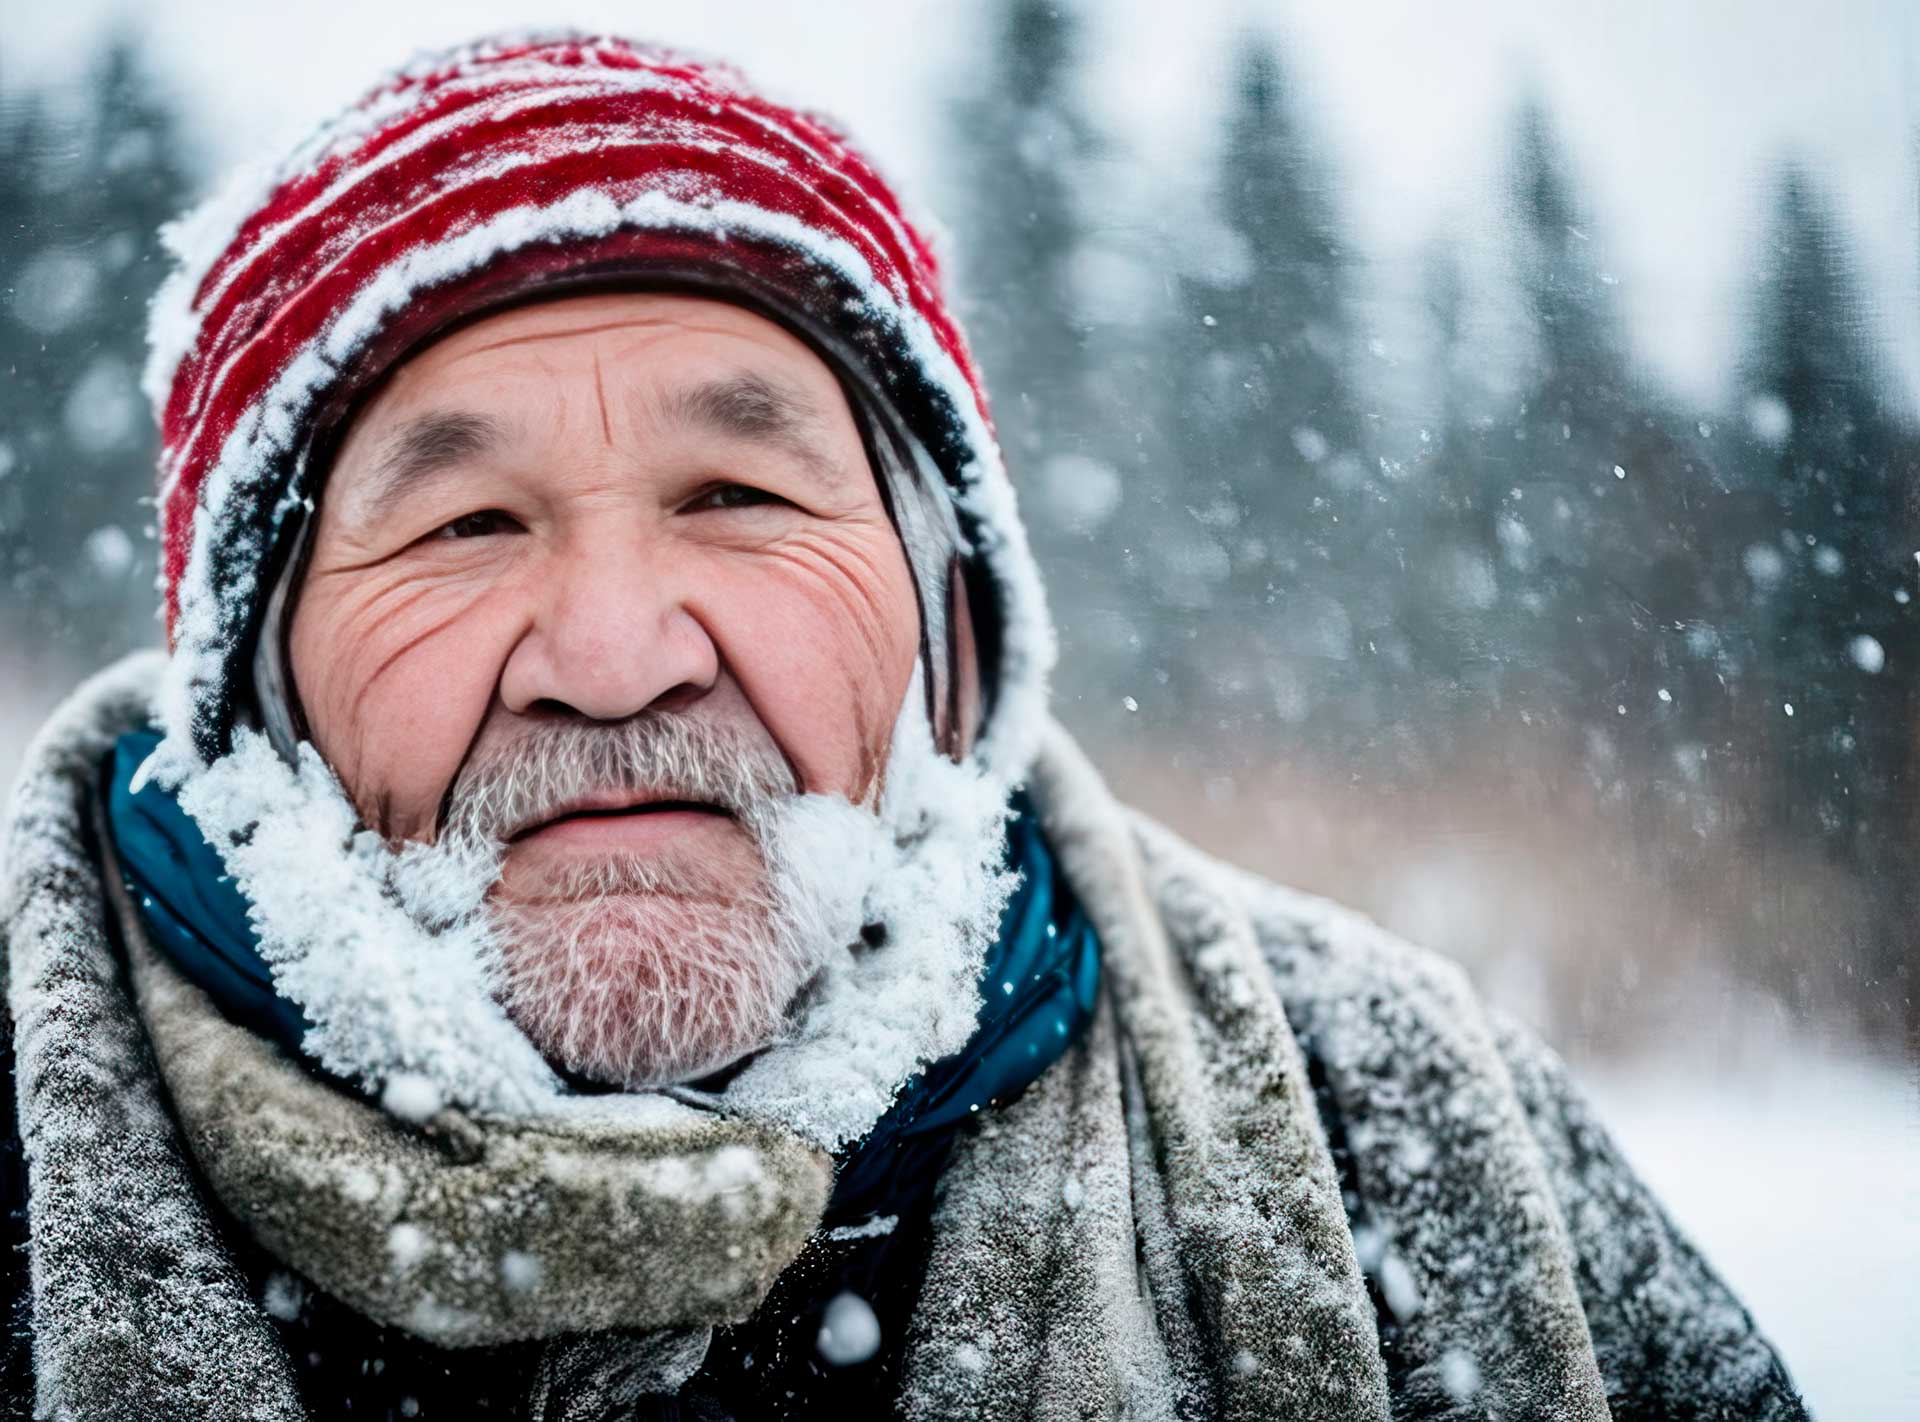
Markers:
point(755, 410)
point(425, 446)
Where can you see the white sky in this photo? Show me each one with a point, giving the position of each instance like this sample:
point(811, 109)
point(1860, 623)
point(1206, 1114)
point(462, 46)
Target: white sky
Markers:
point(1673, 110)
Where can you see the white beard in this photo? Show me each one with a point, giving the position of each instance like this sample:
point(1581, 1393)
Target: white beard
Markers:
point(634, 978)
point(906, 904)
point(879, 921)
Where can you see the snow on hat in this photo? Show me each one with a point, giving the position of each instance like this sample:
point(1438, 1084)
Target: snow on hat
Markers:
point(517, 166)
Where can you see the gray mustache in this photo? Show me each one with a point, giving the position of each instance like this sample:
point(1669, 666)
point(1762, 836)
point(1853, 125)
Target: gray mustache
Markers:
point(659, 755)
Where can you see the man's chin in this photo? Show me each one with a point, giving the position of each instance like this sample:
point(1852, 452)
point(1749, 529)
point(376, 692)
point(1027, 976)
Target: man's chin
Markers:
point(625, 1068)
point(635, 990)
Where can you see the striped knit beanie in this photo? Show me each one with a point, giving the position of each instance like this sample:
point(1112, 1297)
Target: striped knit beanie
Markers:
point(504, 171)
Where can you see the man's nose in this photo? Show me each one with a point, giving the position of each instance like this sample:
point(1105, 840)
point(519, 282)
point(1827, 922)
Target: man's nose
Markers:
point(611, 635)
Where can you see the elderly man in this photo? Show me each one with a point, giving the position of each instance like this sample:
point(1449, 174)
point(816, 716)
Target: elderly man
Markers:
point(591, 919)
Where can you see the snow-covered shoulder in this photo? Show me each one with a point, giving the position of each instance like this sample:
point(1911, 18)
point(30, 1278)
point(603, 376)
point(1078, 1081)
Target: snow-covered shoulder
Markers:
point(42, 822)
point(1316, 946)
point(1449, 1107)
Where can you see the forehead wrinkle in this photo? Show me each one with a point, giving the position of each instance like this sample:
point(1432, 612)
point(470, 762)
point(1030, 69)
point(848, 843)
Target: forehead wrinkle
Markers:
point(561, 333)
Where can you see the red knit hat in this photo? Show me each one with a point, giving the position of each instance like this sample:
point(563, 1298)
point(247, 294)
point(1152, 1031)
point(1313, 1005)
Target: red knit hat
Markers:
point(517, 166)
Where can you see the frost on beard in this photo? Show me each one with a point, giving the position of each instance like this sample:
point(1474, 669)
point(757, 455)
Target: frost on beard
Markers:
point(389, 954)
point(393, 957)
point(913, 898)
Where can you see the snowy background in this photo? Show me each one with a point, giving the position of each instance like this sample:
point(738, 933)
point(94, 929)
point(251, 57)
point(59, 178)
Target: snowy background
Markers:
point(1475, 450)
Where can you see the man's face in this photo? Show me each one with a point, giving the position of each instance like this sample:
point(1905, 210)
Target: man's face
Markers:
point(597, 574)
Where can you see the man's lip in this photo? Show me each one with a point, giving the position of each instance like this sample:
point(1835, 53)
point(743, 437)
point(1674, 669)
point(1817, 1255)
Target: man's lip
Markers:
point(611, 805)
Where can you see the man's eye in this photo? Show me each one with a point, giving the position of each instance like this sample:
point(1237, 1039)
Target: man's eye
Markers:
point(735, 496)
point(479, 525)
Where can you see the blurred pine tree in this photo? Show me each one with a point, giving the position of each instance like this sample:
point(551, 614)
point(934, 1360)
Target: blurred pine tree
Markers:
point(83, 191)
point(1832, 533)
point(1276, 491)
point(1024, 206)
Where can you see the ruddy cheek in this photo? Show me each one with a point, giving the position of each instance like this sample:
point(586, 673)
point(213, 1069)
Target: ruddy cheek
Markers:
point(823, 647)
point(405, 683)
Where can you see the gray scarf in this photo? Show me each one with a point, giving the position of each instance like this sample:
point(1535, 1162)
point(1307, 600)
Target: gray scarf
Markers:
point(1158, 1228)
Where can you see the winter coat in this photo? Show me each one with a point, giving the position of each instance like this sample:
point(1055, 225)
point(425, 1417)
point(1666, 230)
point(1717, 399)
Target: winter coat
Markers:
point(1293, 1170)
